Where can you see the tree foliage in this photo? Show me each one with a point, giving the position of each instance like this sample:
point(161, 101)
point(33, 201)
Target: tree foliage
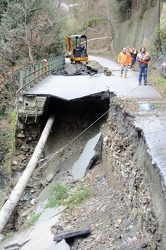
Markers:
point(127, 7)
point(94, 18)
point(3, 6)
point(92, 22)
point(124, 7)
point(29, 29)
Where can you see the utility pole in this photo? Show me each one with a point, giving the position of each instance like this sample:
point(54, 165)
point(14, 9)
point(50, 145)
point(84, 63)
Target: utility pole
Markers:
point(158, 26)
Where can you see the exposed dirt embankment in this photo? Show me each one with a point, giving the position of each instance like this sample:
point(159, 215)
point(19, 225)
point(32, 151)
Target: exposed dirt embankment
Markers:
point(129, 168)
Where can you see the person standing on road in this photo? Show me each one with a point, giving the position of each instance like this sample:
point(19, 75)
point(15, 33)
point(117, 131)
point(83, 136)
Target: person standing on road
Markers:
point(143, 59)
point(134, 56)
point(124, 59)
point(45, 67)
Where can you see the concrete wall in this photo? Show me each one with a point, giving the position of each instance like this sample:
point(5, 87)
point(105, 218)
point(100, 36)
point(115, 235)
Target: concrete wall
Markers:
point(138, 31)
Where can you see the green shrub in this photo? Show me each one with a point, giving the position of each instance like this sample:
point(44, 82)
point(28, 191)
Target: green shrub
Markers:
point(58, 194)
point(79, 195)
point(32, 219)
point(7, 235)
point(92, 22)
point(156, 105)
point(63, 195)
point(9, 138)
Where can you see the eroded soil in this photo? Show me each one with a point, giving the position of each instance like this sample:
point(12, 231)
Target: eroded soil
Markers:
point(106, 214)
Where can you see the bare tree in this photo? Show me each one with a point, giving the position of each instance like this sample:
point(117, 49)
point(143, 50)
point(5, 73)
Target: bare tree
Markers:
point(24, 26)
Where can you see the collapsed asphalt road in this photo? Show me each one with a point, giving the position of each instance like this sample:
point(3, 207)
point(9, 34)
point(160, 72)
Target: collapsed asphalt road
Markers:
point(148, 122)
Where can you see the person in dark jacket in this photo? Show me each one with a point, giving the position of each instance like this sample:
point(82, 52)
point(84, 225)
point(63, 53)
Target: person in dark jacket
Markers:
point(134, 56)
point(143, 59)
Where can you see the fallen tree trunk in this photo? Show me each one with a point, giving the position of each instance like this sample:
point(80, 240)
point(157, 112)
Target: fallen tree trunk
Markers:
point(15, 195)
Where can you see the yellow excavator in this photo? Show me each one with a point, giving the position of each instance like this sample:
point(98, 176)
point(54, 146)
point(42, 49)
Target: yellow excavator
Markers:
point(76, 48)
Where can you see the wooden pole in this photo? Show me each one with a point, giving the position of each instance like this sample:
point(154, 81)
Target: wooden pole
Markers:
point(15, 195)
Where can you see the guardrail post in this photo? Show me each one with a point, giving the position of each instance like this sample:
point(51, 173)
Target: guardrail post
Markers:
point(29, 76)
point(21, 78)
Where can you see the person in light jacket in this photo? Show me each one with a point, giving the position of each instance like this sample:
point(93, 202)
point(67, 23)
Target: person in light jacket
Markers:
point(124, 59)
point(143, 59)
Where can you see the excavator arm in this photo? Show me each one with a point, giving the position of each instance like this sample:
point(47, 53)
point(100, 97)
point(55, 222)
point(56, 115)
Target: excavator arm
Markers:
point(69, 46)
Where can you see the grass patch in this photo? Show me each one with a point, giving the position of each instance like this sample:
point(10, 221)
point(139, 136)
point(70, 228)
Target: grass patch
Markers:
point(7, 235)
point(156, 105)
point(120, 99)
point(62, 195)
point(117, 99)
point(128, 100)
point(79, 195)
point(58, 194)
point(7, 144)
point(158, 81)
point(31, 221)
point(8, 137)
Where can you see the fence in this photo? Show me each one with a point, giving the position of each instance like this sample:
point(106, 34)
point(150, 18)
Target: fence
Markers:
point(33, 74)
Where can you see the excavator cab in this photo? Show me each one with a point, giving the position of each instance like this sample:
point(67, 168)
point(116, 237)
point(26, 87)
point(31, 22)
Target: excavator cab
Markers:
point(76, 48)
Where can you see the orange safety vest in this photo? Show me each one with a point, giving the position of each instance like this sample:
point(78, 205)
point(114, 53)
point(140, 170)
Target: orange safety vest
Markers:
point(143, 58)
point(124, 58)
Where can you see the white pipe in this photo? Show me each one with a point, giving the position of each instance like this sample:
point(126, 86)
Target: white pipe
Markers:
point(15, 195)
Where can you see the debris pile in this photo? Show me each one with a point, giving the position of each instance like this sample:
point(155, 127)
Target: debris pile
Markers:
point(75, 69)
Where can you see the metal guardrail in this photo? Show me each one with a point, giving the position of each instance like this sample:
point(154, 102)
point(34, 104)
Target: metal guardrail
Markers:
point(33, 74)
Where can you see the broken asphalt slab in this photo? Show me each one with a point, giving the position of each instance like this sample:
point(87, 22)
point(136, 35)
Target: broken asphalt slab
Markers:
point(87, 158)
point(39, 236)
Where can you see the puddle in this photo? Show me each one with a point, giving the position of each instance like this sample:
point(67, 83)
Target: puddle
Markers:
point(146, 106)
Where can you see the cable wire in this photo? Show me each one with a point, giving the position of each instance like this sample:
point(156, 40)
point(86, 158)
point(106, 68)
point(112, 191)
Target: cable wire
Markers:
point(51, 156)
